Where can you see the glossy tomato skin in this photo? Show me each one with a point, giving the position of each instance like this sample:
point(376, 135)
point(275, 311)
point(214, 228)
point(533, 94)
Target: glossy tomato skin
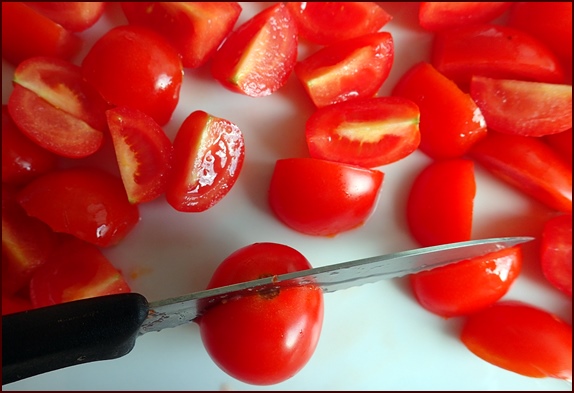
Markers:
point(136, 67)
point(208, 155)
point(274, 333)
point(468, 286)
point(450, 121)
point(440, 202)
point(323, 198)
point(368, 132)
point(528, 164)
point(325, 23)
point(348, 69)
point(437, 15)
point(521, 338)
point(258, 57)
point(88, 203)
point(195, 29)
point(556, 252)
point(72, 15)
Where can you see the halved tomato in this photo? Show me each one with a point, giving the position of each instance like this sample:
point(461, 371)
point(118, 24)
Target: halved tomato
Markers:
point(441, 15)
point(74, 16)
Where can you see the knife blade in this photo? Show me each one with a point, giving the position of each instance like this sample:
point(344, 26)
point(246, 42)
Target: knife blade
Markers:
point(106, 327)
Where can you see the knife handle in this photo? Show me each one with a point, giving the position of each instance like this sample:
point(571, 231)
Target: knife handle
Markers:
point(67, 334)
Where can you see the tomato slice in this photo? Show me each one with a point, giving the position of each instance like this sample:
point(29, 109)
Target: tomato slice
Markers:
point(440, 202)
point(56, 108)
point(22, 159)
point(347, 70)
point(521, 338)
point(274, 333)
point(325, 23)
point(208, 154)
point(467, 286)
point(258, 57)
point(556, 252)
point(27, 33)
point(323, 198)
point(143, 151)
point(195, 29)
point(528, 164)
point(523, 107)
point(77, 270)
point(74, 16)
point(495, 51)
point(368, 132)
point(450, 121)
point(439, 15)
point(88, 203)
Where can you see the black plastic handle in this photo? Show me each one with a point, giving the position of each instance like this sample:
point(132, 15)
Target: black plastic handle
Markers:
point(82, 331)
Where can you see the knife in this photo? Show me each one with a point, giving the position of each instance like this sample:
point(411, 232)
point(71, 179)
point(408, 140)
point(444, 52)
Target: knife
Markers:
point(106, 327)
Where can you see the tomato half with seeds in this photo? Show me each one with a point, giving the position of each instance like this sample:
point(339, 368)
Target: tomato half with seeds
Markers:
point(556, 252)
point(208, 154)
point(368, 132)
point(274, 333)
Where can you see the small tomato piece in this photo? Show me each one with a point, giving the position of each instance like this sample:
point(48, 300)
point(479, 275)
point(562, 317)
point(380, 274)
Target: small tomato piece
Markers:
point(74, 16)
point(441, 15)
point(556, 252)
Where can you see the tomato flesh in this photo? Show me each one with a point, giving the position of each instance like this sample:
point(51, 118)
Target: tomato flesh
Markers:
point(74, 16)
point(437, 15)
point(556, 252)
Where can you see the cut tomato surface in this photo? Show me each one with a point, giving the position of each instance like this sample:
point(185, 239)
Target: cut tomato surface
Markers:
point(441, 15)
point(556, 252)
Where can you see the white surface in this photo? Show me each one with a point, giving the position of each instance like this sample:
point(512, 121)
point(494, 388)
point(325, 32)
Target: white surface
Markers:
point(374, 337)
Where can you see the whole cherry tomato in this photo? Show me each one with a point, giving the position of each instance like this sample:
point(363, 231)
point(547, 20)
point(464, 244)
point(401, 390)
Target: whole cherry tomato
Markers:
point(556, 252)
point(274, 333)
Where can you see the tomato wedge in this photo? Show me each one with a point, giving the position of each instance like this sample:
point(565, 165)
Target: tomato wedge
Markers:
point(143, 151)
point(74, 16)
point(325, 23)
point(258, 57)
point(441, 15)
point(556, 252)
point(368, 132)
point(561, 143)
point(347, 70)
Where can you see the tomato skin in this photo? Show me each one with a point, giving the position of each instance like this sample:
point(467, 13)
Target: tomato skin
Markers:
point(14, 304)
point(22, 159)
point(438, 15)
point(450, 122)
point(440, 202)
point(274, 334)
point(27, 33)
point(196, 30)
point(521, 338)
point(325, 23)
point(528, 164)
point(523, 107)
point(258, 57)
point(208, 155)
point(73, 16)
point(347, 70)
point(88, 203)
point(323, 198)
point(556, 252)
point(143, 151)
point(561, 143)
point(369, 132)
point(467, 286)
point(136, 67)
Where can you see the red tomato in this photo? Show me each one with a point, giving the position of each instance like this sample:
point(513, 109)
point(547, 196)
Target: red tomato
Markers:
point(22, 159)
point(274, 333)
point(495, 51)
point(323, 198)
point(77, 270)
point(441, 15)
point(27, 33)
point(556, 252)
point(528, 164)
point(85, 202)
point(136, 67)
point(450, 121)
point(561, 143)
point(27, 243)
point(258, 57)
point(14, 304)
point(521, 338)
point(56, 108)
point(369, 132)
point(441, 201)
point(347, 70)
point(143, 151)
point(467, 286)
point(72, 15)
point(325, 23)
point(523, 107)
point(208, 154)
point(196, 30)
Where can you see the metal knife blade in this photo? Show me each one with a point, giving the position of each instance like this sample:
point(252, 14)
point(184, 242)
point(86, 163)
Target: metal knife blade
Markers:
point(175, 311)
